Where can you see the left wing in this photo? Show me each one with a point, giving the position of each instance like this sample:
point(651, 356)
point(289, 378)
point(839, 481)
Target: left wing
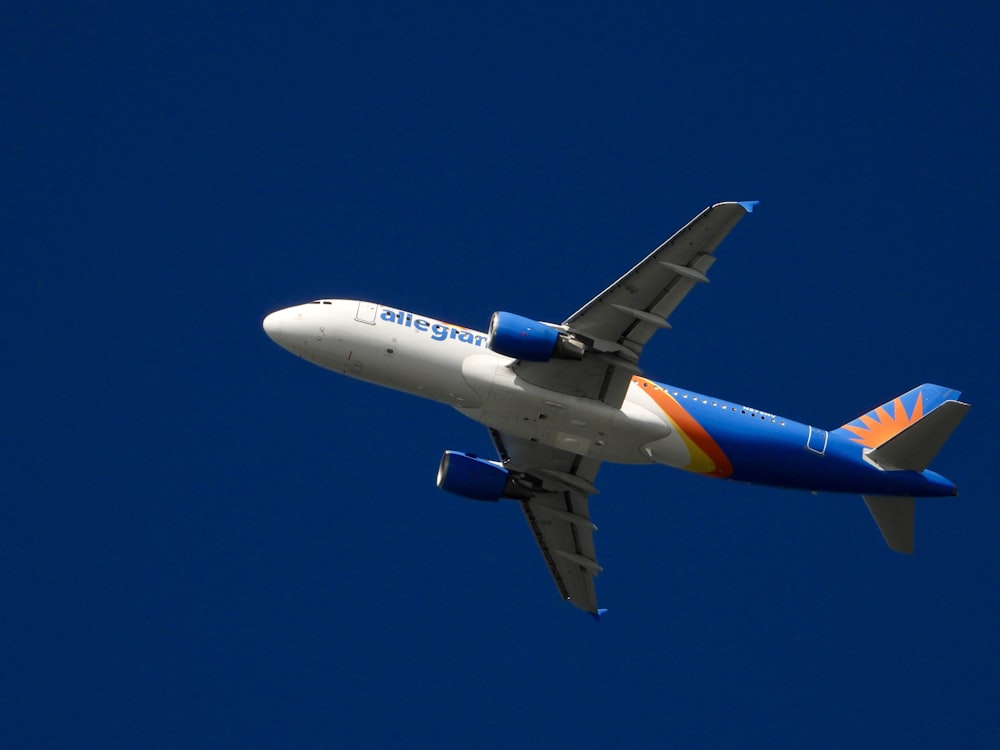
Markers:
point(557, 513)
point(618, 322)
point(625, 316)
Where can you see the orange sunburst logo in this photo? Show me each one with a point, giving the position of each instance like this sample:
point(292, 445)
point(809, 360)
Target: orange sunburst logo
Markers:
point(877, 426)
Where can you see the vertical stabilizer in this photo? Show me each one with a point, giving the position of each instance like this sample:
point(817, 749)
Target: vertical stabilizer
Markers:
point(888, 420)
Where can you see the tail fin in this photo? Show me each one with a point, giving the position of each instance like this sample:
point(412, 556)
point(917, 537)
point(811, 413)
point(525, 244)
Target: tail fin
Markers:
point(878, 426)
point(907, 439)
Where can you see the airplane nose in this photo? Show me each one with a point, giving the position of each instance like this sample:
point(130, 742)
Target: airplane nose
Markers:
point(293, 328)
point(273, 324)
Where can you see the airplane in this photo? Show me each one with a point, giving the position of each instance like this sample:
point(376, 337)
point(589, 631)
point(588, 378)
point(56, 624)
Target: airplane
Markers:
point(558, 400)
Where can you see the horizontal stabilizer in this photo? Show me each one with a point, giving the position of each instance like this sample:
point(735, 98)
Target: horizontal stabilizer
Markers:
point(894, 516)
point(915, 446)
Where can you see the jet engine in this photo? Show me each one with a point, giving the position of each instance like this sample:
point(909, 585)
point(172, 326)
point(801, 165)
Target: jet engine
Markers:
point(526, 339)
point(476, 478)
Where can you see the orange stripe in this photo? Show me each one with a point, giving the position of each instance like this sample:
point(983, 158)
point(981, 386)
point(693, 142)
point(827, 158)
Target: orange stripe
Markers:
point(690, 429)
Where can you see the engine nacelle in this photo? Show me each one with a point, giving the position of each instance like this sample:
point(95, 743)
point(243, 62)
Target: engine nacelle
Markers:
point(471, 476)
point(526, 339)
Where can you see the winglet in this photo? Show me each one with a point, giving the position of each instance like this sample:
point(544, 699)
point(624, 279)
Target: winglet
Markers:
point(597, 615)
point(748, 206)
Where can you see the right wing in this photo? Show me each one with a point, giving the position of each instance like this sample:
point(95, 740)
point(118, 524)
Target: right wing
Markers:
point(557, 513)
point(619, 321)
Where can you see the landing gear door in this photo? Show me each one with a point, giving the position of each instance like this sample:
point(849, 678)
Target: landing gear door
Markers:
point(366, 312)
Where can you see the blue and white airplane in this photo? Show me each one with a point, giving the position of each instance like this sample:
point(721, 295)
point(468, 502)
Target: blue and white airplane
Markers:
point(560, 399)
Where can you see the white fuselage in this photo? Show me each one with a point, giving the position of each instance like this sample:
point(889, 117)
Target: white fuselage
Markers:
point(452, 365)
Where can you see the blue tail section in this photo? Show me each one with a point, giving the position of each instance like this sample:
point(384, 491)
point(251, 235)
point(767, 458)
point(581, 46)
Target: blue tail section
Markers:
point(902, 437)
point(884, 422)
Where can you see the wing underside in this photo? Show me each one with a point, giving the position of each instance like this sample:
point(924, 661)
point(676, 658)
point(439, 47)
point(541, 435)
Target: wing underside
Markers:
point(631, 310)
point(614, 326)
point(618, 322)
point(558, 513)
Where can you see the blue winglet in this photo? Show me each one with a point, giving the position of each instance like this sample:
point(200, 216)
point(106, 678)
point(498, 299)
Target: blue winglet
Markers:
point(748, 206)
point(597, 615)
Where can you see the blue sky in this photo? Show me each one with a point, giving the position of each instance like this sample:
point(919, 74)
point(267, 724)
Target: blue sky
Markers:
point(207, 542)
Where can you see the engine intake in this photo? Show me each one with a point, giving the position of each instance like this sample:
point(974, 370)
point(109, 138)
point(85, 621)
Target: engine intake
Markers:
point(526, 339)
point(471, 476)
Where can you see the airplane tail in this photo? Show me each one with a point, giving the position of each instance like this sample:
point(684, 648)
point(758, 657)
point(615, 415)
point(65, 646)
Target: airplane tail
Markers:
point(904, 435)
